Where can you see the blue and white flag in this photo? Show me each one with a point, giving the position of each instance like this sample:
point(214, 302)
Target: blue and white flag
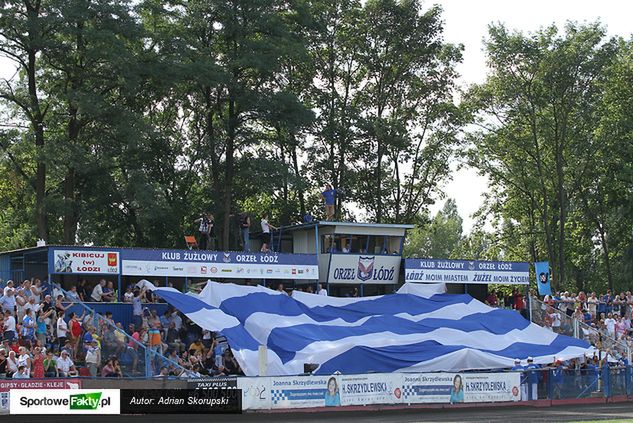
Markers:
point(542, 278)
point(418, 329)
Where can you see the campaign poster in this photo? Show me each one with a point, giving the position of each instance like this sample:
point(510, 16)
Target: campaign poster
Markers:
point(378, 388)
point(455, 388)
point(305, 392)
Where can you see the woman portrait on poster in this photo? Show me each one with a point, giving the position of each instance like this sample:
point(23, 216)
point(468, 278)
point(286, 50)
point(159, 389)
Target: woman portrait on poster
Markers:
point(457, 390)
point(332, 396)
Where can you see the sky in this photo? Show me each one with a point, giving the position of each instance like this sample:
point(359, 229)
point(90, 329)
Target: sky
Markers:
point(466, 22)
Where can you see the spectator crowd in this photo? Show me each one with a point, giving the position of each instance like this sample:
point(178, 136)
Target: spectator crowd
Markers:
point(40, 337)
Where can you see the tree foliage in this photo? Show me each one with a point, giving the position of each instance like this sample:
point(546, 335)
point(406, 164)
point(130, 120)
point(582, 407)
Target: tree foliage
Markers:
point(129, 119)
point(559, 186)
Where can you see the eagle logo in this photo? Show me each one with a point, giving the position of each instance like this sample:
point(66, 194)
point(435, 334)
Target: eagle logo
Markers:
point(365, 267)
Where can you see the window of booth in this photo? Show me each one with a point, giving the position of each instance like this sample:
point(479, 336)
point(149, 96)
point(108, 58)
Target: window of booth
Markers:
point(384, 244)
point(361, 244)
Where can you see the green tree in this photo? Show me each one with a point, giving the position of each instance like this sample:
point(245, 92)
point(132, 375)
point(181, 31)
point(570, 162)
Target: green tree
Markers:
point(538, 112)
point(440, 238)
point(26, 29)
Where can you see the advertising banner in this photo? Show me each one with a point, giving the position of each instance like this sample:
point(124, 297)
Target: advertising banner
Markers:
point(305, 392)
point(64, 401)
point(366, 269)
point(457, 388)
point(83, 261)
point(467, 271)
point(379, 388)
point(213, 383)
point(255, 392)
point(8, 384)
point(218, 264)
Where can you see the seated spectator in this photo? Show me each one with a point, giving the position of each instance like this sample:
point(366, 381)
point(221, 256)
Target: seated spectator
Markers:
point(12, 364)
point(3, 363)
point(129, 295)
point(72, 295)
point(24, 360)
point(109, 293)
point(50, 365)
point(111, 368)
point(265, 248)
point(164, 373)
point(97, 291)
point(196, 347)
point(65, 365)
point(230, 363)
point(21, 373)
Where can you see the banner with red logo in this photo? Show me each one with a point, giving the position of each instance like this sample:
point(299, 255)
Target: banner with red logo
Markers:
point(83, 261)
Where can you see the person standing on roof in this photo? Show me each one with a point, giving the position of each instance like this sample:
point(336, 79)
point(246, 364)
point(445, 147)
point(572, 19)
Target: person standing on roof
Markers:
point(266, 227)
point(245, 224)
point(329, 196)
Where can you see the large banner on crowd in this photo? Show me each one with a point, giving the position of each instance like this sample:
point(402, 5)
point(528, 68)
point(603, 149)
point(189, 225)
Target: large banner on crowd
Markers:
point(462, 387)
point(86, 261)
point(218, 264)
point(362, 268)
point(467, 271)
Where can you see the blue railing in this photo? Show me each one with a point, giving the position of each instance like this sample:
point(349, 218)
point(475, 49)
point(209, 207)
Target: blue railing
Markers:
point(148, 358)
point(562, 383)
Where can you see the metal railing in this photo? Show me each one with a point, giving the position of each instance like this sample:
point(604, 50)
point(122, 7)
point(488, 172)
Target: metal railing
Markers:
point(132, 354)
point(570, 326)
point(581, 381)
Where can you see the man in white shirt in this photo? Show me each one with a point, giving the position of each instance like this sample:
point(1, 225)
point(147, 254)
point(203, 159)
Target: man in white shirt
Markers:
point(8, 287)
point(32, 305)
point(266, 227)
point(65, 365)
point(97, 292)
point(62, 329)
point(8, 301)
point(321, 290)
point(9, 326)
point(609, 322)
